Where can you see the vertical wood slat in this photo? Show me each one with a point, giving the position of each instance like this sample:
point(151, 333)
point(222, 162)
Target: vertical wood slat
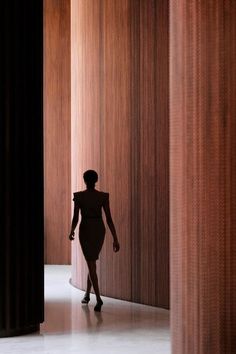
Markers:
point(202, 176)
point(162, 153)
point(147, 142)
point(57, 131)
point(116, 280)
point(228, 334)
point(130, 114)
point(85, 104)
point(135, 213)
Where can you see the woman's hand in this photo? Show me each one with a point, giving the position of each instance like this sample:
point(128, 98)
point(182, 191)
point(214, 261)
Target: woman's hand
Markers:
point(116, 246)
point(72, 236)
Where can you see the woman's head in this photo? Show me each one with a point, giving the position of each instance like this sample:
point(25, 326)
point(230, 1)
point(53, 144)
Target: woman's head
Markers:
point(90, 178)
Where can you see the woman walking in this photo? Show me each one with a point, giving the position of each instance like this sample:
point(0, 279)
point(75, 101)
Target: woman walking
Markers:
point(92, 230)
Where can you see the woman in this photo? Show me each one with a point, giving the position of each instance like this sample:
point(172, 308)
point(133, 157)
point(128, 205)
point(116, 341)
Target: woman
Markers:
point(92, 230)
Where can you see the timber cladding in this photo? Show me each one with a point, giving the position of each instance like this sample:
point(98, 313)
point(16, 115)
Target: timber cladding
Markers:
point(57, 131)
point(119, 65)
point(202, 176)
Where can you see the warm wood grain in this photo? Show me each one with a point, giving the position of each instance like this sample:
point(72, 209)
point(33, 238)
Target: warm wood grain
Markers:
point(120, 128)
point(202, 176)
point(147, 141)
point(116, 135)
point(154, 257)
point(162, 154)
point(57, 141)
point(85, 105)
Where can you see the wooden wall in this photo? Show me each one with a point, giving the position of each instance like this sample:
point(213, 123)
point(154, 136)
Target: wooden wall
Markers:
point(120, 128)
point(57, 126)
point(203, 176)
point(85, 104)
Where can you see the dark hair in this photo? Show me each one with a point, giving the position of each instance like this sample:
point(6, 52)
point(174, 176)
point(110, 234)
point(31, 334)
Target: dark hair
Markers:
point(90, 177)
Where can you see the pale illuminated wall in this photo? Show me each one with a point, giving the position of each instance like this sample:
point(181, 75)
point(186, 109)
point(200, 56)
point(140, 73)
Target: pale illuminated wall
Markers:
point(119, 108)
point(118, 126)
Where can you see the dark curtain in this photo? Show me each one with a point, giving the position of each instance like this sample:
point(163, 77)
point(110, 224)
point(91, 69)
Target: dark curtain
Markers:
point(21, 151)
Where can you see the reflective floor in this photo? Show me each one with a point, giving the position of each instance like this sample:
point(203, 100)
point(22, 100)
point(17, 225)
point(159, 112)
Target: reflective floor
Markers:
point(69, 327)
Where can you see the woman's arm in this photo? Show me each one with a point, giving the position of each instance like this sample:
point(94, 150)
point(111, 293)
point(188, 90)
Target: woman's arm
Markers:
point(111, 225)
point(74, 221)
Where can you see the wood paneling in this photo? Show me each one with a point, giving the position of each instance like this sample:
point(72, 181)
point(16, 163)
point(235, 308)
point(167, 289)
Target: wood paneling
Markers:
point(120, 128)
point(148, 136)
point(21, 154)
point(116, 280)
point(162, 153)
point(57, 126)
point(154, 150)
point(202, 176)
point(85, 104)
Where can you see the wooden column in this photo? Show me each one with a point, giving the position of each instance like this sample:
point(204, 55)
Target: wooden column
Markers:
point(152, 174)
point(120, 128)
point(21, 154)
point(116, 133)
point(203, 176)
point(57, 131)
point(85, 105)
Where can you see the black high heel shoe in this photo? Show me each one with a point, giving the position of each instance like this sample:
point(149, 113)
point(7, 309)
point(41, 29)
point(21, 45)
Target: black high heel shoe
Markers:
point(86, 299)
point(98, 306)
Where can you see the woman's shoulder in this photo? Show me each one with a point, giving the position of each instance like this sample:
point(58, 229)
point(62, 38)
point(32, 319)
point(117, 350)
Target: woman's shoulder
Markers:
point(104, 196)
point(77, 195)
point(104, 193)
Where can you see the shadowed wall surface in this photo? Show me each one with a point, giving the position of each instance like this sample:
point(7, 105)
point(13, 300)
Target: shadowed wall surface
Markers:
point(57, 126)
point(203, 176)
point(21, 153)
point(120, 128)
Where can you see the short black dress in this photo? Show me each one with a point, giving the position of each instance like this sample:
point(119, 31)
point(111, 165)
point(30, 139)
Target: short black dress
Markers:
point(91, 229)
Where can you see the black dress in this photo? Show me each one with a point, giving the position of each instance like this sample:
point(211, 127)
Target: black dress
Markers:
point(91, 228)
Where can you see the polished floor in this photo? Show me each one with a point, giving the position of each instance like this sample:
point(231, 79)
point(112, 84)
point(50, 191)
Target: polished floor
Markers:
point(69, 327)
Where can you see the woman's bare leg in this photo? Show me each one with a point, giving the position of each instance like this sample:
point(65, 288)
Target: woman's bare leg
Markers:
point(94, 278)
point(89, 286)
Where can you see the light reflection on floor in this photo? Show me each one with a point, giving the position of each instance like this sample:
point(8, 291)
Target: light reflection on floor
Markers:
point(69, 327)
